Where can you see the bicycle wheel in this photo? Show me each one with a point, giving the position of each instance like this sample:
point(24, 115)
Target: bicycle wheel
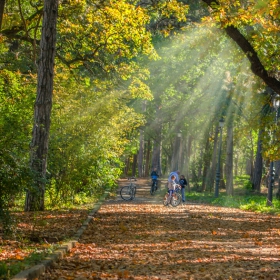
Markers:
point(133, 192)
point(176, 199)
point(126, 193)
point(165, 200)
point(153, 189)
point(155, 185)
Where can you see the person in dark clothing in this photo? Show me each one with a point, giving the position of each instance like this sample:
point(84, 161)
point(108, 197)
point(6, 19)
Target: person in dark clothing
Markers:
point(183, 183)
point(154, 176)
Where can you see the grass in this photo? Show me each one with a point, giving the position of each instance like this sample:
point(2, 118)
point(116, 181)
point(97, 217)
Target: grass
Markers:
point(19, 263)
point(243, 198)
point(35, 235)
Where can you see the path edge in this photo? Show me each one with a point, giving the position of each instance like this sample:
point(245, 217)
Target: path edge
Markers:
point(35, 271)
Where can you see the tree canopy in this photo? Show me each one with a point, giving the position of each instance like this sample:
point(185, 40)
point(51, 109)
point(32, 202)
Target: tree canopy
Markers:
point(122, 67)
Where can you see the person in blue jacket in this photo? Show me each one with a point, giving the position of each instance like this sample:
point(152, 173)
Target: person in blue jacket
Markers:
point(154, 177)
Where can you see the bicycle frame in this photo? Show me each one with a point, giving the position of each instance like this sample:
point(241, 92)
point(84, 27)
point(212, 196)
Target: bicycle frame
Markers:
point(129, 192)
point(175, 198)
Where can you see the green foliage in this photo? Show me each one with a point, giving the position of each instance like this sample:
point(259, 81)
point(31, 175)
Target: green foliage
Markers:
point(104, 38)
point(12, 268)
point(242, 180)
point(101, 78)
point(7, 222)
point(4, 272)
point(90, 132)
point(190, 84)
point(245, 201)
point(91, 119)
point(15, 129)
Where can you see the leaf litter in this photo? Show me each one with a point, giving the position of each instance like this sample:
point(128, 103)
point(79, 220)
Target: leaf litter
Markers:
point(142, 239)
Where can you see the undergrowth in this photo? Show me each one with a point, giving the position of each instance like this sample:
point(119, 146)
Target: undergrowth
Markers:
point(13, 267)
point(244, 198)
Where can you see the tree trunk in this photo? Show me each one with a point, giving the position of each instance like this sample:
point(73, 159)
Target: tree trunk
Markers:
point(199, 171)
point(249, 168)
point(206, 163)
point(183, 150)
point(180, 155)
point(188, 156)
point(141, 148)
point(42, 111)
point(222, 180)
point(277, 177)
point(127, 166)
point(156, 157)
point(2, 6)
point(147, 158)
point(134, 164)
point(212, 171)
point(157, 143)
point(141, 154)
point(257, 173)
point(175, 153)
point(229, 160)
point(236, 165)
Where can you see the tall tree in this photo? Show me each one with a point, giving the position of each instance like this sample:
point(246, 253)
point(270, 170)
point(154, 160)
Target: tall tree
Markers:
point(258, 166)
point(140, 161)
point(229, 159)
point(43, 106)
point(156, 155)
point(206, 161)
point(147, 158)
point(2, 6)
point(140, 157)
point(231, 24)
point(212, 171)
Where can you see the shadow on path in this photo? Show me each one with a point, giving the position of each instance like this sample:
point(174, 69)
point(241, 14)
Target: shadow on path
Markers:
point(142, 239)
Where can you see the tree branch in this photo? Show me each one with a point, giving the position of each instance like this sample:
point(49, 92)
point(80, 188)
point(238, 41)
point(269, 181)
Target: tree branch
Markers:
point(11, 32)
point(256, 65)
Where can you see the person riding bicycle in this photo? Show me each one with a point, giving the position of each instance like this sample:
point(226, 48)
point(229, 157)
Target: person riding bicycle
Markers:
point(154, 177)
point(176, 174)
point(171, 187)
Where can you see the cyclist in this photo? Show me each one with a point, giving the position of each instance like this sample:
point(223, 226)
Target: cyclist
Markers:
point(171, 187)
point(154, 177)
point(176, 174)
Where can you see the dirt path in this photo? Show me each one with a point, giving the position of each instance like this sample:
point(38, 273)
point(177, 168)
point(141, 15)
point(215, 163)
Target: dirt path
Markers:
point(142, 239)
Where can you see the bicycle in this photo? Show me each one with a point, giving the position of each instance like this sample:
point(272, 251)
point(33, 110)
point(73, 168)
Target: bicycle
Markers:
point(129, 192)
point(154, 185)
point(175, 199)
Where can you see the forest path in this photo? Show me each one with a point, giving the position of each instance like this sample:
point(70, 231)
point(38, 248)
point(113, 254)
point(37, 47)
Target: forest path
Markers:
point(142, 239)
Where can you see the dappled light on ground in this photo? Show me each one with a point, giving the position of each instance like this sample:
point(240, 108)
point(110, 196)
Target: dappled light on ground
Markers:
point(144, 240)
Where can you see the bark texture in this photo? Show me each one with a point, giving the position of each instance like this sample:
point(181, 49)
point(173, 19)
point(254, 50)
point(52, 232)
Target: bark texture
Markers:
point(42, 111)
point(141, 154)
point(156, 157)
point(147, 158)
point(174, 157)
point(2, 6)
point(212, 172)
point(257, 175)
point(229, 160)
point(206, 162)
